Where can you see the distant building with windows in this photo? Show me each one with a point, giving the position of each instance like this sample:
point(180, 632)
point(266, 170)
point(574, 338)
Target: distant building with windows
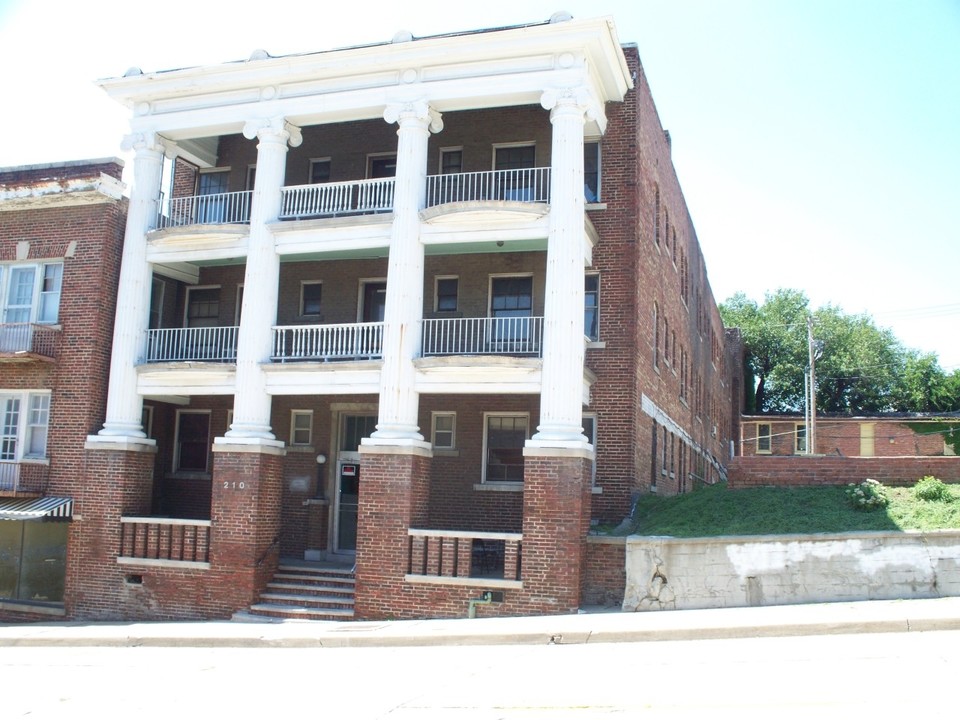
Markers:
point(396, 324)
point(61, 230)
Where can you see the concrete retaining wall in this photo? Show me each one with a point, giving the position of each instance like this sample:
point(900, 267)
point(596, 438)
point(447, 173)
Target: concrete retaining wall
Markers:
point(684, 573)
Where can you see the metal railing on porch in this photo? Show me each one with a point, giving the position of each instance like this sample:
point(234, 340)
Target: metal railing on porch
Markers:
point(487, 557)
point(23, 477)
point(216, 344)
point(346, 341)
point(332, 199)
point(165, 539)
point(215, 209)
point(28, 338)
point(482, 336)
point(523, 185)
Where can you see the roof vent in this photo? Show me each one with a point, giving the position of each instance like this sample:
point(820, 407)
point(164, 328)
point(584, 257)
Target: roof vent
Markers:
point(402, 36)
point(560, 16)
point(258, 54)
point(133, 72)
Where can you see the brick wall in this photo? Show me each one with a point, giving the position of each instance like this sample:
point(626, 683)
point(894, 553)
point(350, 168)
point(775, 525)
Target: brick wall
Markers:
point(799, 470)
point(604, 572)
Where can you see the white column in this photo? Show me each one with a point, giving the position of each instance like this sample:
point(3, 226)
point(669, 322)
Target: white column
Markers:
point(251, 408)
point(563, 341)
point(399, 400)
point(124, 404)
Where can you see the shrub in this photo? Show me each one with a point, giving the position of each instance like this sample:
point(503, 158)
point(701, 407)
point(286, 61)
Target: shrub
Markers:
point(868, 495)
point(931, 488)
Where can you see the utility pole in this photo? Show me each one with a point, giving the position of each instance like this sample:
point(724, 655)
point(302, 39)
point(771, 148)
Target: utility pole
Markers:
point(812, 428)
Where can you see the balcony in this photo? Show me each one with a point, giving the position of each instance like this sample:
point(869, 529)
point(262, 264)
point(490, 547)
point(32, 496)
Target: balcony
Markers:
point(216, 209)
point(325, 343)
point(26, 341)
point(323, 200)
point(214, 344)
point(530, 185)
point(514, 336)
point(23, 477)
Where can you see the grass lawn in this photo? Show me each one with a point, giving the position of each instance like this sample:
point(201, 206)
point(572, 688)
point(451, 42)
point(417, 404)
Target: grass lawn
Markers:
point(715, 510)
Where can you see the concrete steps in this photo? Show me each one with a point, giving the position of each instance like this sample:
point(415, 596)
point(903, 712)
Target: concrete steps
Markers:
point(306, 591)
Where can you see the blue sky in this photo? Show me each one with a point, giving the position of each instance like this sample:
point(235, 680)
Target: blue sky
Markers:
point(817, 141)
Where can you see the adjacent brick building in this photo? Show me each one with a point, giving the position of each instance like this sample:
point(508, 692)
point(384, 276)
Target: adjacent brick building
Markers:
point(429, 318)
point(61, 231)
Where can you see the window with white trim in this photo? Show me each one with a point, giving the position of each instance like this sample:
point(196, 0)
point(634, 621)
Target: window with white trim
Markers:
point(504, 435)
point(319, 171)
point(591, 171)
point(800, 435)
point(447, 292)
point(763, 438)
point(31, 293)
point(590, 432)
point(310, 293)
point(192, 445)
point(24, 422)
point(591, 306)
point(443, 430)
point(451, 160)
point(301, 427)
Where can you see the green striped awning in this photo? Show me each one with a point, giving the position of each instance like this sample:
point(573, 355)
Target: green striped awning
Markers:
point(35, 508)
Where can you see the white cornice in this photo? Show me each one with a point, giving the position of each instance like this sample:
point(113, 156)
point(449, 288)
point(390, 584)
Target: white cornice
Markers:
point(90, 190)
point(496, 68)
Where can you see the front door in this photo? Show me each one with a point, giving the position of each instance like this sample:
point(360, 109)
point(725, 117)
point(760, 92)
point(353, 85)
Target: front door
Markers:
point(353, 428)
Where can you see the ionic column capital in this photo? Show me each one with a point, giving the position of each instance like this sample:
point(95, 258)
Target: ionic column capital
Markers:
point(276, 129)
point(416, 110)
point(571, 100)
point(144, 142)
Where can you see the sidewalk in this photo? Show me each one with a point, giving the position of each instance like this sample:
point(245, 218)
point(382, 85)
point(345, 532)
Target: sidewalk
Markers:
point(783, 620)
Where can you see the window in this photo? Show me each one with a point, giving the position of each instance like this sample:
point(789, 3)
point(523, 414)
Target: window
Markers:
point(511, 296)
point(447, 291)
point(310, 292)
point(763, 438)
point(514, 157)
point(591, 307)
point(800, 434)
point(24, 421)
point(656, 217)
point(319, 171)
point(239, 306)
point(251, 176)
point(381, 166)
point(157, 288)
point(203, 307)
point(33, 560)
point(503, 438)
point(146, 420)
point(451, 161)
point(444, 430)
point(212, 207)
point(301, 427)
point(656, 335)
point(590, 432)
point(50, 293)
point(27, 300)
point(193, 441)
point(591, 171)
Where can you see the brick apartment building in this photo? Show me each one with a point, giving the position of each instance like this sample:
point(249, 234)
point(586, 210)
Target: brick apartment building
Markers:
point(61, 232)
point(425, 309)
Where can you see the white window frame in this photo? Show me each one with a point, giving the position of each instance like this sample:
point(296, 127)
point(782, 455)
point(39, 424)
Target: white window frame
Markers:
point(486, 424)
point(239, 308)
point(156, 308)
point(768, 436)
point(445, 150)
point(503, 146)
point(434, 415)
point(176, 439)
point(800, 430)
point(597, 276)
point(592, 439)
point(186, 303)
point(24, 432)
point(595, 141)
point(294, 415)
point(500, 276)
point(251, 177)
point(303, 284)
point(316, 161)
point(436, 292)
point(36, 292)
point(371, 157)
point(146, 420)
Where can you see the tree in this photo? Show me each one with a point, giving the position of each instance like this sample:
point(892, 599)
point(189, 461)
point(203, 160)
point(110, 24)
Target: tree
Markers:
point(860, 369)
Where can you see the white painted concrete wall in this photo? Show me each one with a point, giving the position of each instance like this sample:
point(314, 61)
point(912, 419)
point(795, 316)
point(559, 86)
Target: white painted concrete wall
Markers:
point(683, 573)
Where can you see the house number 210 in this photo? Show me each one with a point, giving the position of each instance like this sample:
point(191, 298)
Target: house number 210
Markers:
point(234, 485)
